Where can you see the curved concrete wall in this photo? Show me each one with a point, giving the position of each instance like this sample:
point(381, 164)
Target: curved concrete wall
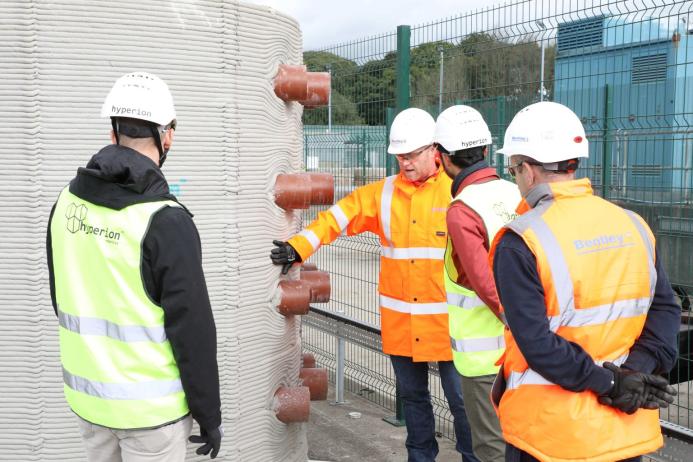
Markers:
point(58, 60)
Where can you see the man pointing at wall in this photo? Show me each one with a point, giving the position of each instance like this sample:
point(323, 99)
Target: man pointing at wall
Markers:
point(407, 212)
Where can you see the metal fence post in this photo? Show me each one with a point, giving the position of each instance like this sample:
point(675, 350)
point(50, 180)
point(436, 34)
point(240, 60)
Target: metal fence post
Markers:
point(389, 160)
point(403, 67)
point(398, 419)
point(500, 121)
point(339, 380)
point(606, 154)
point(401, 102)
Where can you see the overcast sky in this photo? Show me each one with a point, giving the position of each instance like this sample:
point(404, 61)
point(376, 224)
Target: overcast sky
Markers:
point(332, 22)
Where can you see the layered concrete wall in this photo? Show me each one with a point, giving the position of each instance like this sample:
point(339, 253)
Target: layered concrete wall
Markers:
point(58, 59)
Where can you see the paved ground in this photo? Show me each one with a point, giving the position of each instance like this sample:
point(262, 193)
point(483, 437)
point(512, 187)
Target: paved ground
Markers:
point(334, 436)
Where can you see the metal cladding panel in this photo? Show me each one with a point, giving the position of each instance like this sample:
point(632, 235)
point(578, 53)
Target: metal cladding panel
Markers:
point(59, 58)
point(640, 107)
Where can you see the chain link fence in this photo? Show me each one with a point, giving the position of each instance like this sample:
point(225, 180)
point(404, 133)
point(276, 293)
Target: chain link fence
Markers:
point(625, 67)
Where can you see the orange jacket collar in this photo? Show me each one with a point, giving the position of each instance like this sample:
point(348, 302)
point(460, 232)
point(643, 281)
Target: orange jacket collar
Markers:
point(557, 190)
point(408, 187)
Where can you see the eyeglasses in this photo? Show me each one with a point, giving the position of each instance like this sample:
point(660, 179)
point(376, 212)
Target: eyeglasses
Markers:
point(412, 156)
point(513, 169)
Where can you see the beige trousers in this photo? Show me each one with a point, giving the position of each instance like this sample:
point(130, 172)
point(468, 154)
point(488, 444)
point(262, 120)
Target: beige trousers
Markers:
point(487, 438)
point(163, 444)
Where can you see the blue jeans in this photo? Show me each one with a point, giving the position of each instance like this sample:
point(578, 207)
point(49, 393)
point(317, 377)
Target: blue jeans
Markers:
point(412, 378)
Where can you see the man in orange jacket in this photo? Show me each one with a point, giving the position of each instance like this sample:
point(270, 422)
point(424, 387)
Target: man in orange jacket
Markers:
point(590, 310)
point(407, 212)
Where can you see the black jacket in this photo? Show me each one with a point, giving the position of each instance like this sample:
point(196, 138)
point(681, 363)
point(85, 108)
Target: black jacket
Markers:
point(117, 177)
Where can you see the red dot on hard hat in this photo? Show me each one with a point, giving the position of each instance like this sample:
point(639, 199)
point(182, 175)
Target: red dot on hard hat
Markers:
point(578, 139)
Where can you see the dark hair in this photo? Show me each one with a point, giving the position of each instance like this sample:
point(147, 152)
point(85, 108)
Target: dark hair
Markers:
point(563, 166)
point(467, 157)
point(135, 128)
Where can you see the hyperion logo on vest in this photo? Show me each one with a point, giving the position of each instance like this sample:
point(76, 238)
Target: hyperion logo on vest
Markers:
point(76, 221)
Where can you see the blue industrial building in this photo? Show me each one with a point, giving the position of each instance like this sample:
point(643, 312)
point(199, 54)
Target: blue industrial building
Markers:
point(630, 82)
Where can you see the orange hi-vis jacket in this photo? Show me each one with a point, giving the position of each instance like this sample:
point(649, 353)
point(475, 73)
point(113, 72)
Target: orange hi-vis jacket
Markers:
point(596, 263)
point(410, 222)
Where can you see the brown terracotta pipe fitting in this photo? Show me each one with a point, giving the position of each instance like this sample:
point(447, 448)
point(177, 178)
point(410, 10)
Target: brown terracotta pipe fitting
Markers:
point(309, 267)
point(319, 282)
point(318, 90)
point(295, 297)
point(321, 188)
point(316, 381)
point(292, 404)
point(291, 83)
point(308, 360)
point(301, 190)
point(292, 191)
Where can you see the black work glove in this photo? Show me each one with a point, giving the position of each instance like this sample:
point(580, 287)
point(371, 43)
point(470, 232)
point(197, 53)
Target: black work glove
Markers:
point(634, 390)
point(285, 255)
point(211, 440)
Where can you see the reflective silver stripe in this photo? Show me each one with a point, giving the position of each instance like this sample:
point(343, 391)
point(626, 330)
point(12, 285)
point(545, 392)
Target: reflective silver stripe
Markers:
point(339, 216)
point(464, 301)
point(84, 325)
point(650, 250)
point(606, 313)
point(475, 345)
point(311, 237)
point(562, 282)
point(407, 253)
point(530, 377)
point(386, 208)
point(142, 390)
point(413, 308)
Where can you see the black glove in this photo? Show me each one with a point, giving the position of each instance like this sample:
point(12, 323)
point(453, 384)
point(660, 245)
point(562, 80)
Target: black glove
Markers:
point(285, 255)
point(211, 440)
point(634, 390)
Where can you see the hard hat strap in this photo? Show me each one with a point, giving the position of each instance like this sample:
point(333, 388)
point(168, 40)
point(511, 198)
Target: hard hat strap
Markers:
point(159, 146)
point(114, 124)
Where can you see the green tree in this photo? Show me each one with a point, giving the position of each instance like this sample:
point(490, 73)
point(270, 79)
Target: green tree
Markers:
point(344, 74)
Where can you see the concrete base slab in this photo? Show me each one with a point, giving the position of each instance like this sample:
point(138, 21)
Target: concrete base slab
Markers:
point(334, 436)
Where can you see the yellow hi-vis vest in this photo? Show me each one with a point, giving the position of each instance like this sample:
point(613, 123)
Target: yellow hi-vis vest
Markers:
point(118, 366)
point(476, 334)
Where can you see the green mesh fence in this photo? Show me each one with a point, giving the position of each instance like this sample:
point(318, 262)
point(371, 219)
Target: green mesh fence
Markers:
point(625, 67)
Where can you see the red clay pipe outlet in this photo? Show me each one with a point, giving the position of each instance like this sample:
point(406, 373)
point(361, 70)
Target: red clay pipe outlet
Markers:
point(292, 404)
point(319, 282)
point(318, 90)
point(321, 188)
point(309, 267)
point(292, 191)
point(308, 360)
point(316, 381)
point(291, 83)
point(301, 190)
point(295, 297)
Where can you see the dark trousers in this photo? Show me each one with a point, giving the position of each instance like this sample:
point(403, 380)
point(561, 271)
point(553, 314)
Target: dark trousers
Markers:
point(512, 454)
point(412, 378)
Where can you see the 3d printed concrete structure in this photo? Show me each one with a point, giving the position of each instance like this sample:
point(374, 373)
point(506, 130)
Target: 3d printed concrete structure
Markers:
point(235, 137)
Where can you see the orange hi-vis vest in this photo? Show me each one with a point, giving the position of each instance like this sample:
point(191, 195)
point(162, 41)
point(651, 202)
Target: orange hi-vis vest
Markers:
point(596, 263)
point(410, 222)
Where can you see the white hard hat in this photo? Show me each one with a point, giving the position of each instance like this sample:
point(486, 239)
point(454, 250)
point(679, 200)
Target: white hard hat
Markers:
point(461, 127)
point(412, 129)
point(547, 132)
point(140, 95)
